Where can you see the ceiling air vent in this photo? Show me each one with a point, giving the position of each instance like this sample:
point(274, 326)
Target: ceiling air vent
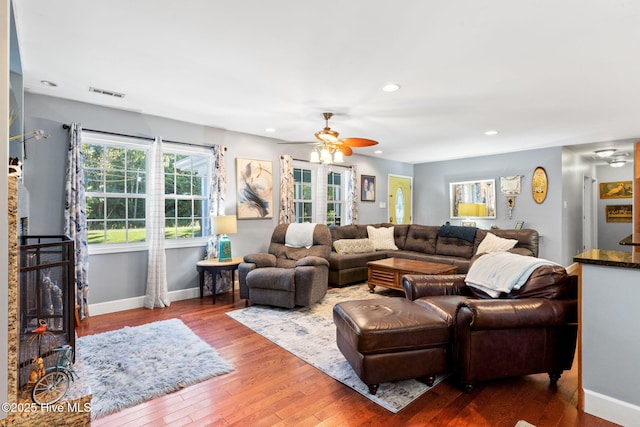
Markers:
point(107, 92)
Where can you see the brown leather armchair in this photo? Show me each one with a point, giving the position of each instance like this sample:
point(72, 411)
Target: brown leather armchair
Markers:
point(529, 331)
point(287, 276)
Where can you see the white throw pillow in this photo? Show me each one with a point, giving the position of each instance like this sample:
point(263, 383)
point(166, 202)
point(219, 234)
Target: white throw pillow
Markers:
point(353, 246)
point(382, 238)
point(492, 243)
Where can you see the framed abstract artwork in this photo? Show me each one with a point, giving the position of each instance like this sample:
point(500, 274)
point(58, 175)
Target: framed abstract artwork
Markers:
point(254, 179)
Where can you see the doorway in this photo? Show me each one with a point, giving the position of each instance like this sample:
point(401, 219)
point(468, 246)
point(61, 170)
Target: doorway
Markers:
point(589, 227)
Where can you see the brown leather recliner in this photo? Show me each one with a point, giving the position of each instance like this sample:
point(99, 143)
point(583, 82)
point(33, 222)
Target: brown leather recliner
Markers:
point(287, 276)
point(532, 330)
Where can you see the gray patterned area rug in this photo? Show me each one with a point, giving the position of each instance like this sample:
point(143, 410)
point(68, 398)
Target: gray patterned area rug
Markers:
point(135, 364)
point(309, 333)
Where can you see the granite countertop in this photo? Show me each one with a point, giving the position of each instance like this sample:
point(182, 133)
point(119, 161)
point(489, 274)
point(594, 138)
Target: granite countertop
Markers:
point(609, 258)
point(628, 241)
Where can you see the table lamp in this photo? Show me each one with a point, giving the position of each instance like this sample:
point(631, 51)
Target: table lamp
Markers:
point(224, 224)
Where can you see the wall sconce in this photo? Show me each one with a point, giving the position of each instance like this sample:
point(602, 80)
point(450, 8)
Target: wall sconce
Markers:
point(511, 203)
point(37, 134)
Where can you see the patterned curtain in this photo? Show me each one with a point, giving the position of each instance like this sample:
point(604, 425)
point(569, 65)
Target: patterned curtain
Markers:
point(75, 216)
point(287, 207)
point(352, 196)
point(157, 293)
point(217, 199)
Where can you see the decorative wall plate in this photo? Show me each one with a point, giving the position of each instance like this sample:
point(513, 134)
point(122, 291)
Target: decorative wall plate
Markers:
point(539, 185)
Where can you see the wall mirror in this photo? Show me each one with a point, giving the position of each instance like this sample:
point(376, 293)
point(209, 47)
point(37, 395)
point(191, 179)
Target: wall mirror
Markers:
point(473, 199)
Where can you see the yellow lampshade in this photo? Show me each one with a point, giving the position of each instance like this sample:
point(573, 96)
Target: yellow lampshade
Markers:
point(224, 224)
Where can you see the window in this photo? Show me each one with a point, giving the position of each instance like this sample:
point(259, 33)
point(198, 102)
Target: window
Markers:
point(186, 202)
point(116, 190)
point(334, 198)
point(310, 180)
point(302, 197)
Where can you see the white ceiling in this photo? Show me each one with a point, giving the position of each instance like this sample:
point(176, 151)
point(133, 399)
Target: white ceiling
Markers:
point(543, 73)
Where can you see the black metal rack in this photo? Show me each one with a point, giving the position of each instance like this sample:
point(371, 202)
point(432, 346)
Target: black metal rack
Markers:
point(47, 295)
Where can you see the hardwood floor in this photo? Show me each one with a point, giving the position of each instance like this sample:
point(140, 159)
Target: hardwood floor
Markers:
point(271, 387)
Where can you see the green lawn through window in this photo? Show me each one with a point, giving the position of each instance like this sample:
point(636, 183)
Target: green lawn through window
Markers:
point(135, 235)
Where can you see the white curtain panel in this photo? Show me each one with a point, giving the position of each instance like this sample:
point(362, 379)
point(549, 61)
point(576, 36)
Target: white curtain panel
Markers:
point(157, 294)
point(287, 208)
point(75, 217)
point(351, 196)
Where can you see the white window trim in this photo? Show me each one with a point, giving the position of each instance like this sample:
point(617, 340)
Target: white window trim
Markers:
point(320, 172)
point(307, 166)
point(111, 248)
point(143, 144)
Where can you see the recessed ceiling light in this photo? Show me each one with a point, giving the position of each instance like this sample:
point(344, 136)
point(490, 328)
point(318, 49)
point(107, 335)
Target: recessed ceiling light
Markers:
point(48, 83)
point(606, 152)
point(270, 130)
point(391, 87)
point(491, 132)
point(378, 152)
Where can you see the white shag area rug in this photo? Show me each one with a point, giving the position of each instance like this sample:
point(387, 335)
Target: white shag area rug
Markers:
point(310, 334)
point(135, 364)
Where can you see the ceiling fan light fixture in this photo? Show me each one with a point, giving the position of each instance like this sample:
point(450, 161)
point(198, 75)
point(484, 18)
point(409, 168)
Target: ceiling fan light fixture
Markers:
point(327, 135)
point(325, 155)
point(315, 157)
point(604, 153)
point(338, 157)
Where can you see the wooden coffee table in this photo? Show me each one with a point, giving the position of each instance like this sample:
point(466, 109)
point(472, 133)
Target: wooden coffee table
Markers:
point(388, 272)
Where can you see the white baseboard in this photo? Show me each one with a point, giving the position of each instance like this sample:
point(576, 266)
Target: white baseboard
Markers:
point(138, 302)
point(610, 409)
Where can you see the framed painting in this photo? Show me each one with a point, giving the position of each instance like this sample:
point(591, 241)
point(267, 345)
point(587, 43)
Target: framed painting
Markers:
point(473, 199)
point(368, 188)
point(618, 213)
point(254, 179)
point(616, 190)
point(539, 185)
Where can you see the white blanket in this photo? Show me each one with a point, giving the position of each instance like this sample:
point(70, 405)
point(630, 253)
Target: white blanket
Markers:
point(499, 272)
point(299, 235)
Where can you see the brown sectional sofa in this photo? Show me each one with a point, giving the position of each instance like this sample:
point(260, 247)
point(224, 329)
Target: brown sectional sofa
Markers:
point(421, 242)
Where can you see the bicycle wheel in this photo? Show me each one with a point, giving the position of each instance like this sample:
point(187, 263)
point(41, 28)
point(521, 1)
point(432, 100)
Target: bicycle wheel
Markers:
point(50, 388)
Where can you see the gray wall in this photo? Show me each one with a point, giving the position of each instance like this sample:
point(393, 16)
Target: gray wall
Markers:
point(610, 233)
point(371, 212)
point(123, 275)
point(431, 183)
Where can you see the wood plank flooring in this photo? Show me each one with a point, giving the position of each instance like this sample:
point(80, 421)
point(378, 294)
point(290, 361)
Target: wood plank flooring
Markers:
point(271, 387)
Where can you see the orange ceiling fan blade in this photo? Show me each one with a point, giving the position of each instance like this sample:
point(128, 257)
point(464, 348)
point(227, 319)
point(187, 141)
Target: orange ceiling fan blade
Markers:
point(345, 150)
point(358, 142)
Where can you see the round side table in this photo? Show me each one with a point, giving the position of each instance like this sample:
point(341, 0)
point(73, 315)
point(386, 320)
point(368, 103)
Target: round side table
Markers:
point(214, 268)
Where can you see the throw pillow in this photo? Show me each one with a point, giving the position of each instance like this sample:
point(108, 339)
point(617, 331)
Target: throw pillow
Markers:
point(382, 238)
point(492, 243)
point(353, 246)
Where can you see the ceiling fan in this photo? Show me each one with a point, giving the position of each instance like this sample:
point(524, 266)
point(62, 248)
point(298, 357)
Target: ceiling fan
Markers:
point(330, 149)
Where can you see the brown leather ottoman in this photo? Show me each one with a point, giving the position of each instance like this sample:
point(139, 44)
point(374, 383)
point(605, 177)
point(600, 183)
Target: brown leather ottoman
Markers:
point(391, 339)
